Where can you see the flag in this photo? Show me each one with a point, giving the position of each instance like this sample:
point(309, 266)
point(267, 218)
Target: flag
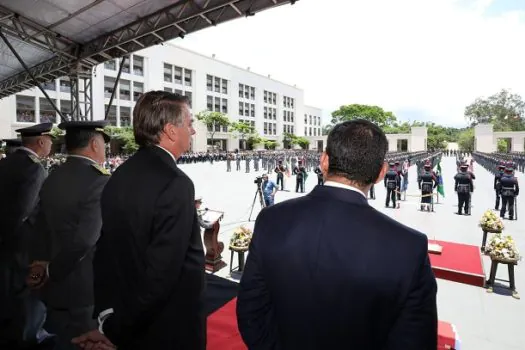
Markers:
point(440, 188)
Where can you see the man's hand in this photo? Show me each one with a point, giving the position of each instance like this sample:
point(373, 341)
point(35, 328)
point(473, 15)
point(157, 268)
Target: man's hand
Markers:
point(37, 275)
point(93, 340)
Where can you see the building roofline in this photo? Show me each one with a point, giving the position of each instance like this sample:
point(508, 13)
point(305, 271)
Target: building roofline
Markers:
point(171, 43)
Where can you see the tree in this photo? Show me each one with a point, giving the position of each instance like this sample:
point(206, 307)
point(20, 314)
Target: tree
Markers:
point(466, 140)
point(214, 121)
point(123, 139)
point(327, 128)
point(270, 144)
point(503, 145)
point(254, 140)
point(373, 114)
point(288, 140)
point(243, 129)
point(303, 142)
point(504, 110)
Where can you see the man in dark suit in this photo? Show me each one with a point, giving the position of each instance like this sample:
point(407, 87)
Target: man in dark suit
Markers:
point(66, 229)
point(21, 176)
point(149, 263)
point(352, 277)
point(12, 145)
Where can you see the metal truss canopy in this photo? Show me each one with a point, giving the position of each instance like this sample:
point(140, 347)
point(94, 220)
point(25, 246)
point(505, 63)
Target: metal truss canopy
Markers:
point(58, 38)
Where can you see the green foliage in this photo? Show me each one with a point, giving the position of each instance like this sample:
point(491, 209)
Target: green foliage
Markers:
point(504, 110)
point(56, 132)
point(123, 138)
point(327, 128)
point(270, 144)
point(243, 129)
point(466, 140)
point(373, 114)
point(503, 145)
point(254, 140)
point(212, 119)
point(303, 142)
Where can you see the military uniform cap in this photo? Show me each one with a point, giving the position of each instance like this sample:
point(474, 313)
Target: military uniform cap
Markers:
point(36, 130)
point(464, 166)
point(96, 125)
point(13, 142)
point(509, 169)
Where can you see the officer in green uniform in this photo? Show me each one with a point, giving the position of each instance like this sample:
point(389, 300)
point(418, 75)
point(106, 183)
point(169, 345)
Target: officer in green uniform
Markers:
point(65, 231)
point(21, 176)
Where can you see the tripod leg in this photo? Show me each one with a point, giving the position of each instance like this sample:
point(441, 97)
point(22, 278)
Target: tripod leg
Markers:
point(253, 204)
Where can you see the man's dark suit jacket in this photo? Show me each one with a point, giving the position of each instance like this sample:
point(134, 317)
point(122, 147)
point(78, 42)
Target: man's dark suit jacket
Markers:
point(149, 263)
point(328, 271)
point(66, 229)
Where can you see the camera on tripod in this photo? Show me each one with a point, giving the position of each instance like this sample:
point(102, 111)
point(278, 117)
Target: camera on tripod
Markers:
point(258, 180)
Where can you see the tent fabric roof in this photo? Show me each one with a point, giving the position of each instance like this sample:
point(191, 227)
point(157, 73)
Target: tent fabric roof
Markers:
point(57, 37)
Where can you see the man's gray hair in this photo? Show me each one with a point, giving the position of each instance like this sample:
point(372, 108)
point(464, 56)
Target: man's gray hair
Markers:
point(153, 111)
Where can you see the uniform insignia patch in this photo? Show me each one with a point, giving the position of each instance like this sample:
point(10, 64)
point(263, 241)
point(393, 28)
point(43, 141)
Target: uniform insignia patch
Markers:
point(102, 170)
point(34, 158)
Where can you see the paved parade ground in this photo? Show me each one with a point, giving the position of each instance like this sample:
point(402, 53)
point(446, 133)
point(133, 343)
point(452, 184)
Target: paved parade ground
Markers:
point(484, 321)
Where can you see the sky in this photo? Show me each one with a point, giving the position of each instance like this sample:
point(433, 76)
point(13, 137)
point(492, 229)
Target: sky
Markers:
point(423, 60)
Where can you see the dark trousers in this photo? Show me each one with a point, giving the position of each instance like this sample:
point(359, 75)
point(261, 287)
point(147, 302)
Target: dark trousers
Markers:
point(299, 184)
point(427, 198)
point(390, 194)
point(498, 197)
point(280, 180)
point(69, 323)
point(372, 192)
point(464, 203)
point(510, 201)
point(320, 180)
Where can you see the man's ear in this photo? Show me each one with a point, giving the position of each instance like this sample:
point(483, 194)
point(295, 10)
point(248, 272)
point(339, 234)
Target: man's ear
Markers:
point(382, 173)
point(324, 163)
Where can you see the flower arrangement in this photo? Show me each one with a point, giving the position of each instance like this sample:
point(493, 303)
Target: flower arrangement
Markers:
point(241, 238)
point(502, 247)
point(491, 221)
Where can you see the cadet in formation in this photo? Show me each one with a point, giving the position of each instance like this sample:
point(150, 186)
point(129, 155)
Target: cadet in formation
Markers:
point(497, 184)
point(464, 186)
point(427, 182)
point(510, 189)
point(391, 180)
point(300, 177)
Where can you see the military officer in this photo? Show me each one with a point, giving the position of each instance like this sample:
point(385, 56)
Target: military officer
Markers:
point(21, 176)
point(300, 177)
point(320, 179)
point(463, 186)
point(391, 179)
point(256, 162)
point(66, 229)
point(229, 162)
point(510, 189)
point(247, 159)
point(497, 184)
point(427, 182)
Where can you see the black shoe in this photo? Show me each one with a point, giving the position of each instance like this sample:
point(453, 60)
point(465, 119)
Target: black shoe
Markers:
point(459, 213)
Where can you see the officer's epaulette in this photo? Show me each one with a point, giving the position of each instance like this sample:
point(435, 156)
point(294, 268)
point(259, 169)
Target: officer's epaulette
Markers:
point(34, 158)
point(102, 170)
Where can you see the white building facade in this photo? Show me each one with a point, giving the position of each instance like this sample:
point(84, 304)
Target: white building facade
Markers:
point(272, 107)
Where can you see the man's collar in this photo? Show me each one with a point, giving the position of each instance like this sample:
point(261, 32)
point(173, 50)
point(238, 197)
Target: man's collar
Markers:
point(82, 157)
point(348, 187)
point(29, 150)
point(171, 155)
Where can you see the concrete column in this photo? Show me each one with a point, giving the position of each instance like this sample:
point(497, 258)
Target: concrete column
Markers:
point(517, 143)
point(484, 138)
point(418, 138)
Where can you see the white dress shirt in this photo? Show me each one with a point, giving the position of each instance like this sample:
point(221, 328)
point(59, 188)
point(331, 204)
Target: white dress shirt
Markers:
point(347, 187)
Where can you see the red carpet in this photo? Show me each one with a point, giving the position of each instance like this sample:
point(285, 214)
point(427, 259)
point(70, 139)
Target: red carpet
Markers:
point(223, 333)
point(459, 263)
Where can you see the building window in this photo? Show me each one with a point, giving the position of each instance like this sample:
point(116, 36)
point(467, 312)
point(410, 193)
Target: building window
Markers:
point(125, 67)
point(225, 86)
point(138, 90)
point(310, 119)
point(265, 96)
point(178, 75)
point(65, 107)
point(246, 109)
point(209, 82)
point(178, 92)
point(217, 84)
point(111, 65)
point(50, 85)
point(241, 109)
point(168, 73)
point(138, 65)
point(65, 85)
point(209, 103)
point(109, 83)
point(124, 89)
point(167, 89)
point(217, 105)
point(224, 106)
point(241, 91)
point(252, 110)
point(252, 92)
point(265, 129)
point(125, 116)
point(189, 95)
point(47, 112)
point(187, 77)
point(291, 117)
point(25, 109)
point(112, 115)
point(265, 112)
